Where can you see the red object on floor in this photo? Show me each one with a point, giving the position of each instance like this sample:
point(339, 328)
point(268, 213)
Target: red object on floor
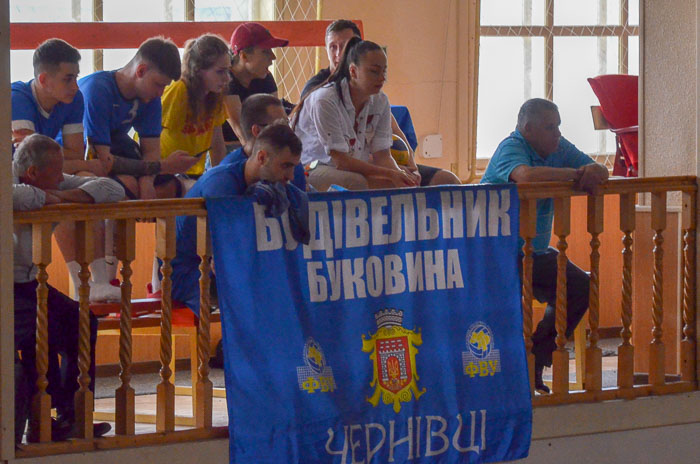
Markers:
point(182, 316)
point(618, 97)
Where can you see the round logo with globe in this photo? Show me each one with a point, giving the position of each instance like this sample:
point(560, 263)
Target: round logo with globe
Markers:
point(313, 356)
point(479, 340)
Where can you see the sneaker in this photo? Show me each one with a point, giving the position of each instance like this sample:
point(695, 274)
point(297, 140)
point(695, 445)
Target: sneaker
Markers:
point(540, 386)
point(104, 292)
point(99, 429)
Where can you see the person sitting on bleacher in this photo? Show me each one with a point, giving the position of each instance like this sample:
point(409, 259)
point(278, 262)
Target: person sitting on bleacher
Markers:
point(38, 181)
point(193, 110)
point(345, 125)
point(258, 112)
point(273, 157)
point(338, 33)
point(116, 102)
point(536, 152)
point(251, 45)
point(52, 105)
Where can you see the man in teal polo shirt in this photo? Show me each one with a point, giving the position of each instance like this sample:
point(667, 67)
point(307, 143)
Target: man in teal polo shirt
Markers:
point(536, 152)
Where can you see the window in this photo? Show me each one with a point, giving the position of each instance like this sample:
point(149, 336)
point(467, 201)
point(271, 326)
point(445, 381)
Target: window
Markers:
point(547, 48)
point(291, 69)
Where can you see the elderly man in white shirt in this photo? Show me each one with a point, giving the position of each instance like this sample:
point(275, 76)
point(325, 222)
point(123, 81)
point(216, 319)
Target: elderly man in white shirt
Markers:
point(38, 181)
point(345, 126)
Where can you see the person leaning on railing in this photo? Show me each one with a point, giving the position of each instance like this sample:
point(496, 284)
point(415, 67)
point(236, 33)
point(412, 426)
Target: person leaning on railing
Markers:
point(38, 180)
point(267, 172)
point(537, 152)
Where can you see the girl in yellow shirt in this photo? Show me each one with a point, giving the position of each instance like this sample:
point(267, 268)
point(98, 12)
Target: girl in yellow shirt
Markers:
point(193, 110)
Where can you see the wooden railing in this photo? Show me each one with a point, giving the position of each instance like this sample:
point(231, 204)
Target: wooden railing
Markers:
point(125, 214)
point(627, 190)
point(164, 213)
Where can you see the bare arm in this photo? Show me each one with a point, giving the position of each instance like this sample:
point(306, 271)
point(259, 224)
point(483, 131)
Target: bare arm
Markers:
point(587, 177)
point(19, 135)
point(73, 146)
point(218, 147)
point(150, 150)
point(232, 104)
point(74, 157)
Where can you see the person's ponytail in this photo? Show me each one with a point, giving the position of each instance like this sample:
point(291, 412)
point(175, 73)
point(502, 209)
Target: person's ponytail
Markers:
point(354, 50)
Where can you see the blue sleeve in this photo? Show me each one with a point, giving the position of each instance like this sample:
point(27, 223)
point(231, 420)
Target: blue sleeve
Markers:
point(23, 107)
point(148, 121)
point(506, 158)
point(220, 184)
point(299, 180)
point(98, 110)
point(571, 156)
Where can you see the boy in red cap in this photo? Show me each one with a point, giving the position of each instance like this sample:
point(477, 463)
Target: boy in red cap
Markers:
point(252, 46)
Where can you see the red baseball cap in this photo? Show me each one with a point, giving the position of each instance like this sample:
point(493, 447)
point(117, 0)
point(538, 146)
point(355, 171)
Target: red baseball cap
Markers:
point(254, 35)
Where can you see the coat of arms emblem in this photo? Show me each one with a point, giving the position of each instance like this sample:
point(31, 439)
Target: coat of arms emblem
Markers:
point(393, 353)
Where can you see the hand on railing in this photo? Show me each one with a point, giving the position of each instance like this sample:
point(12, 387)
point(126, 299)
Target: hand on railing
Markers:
point(590, 177)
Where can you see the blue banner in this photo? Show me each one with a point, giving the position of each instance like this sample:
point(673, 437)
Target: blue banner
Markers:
point(394, 336)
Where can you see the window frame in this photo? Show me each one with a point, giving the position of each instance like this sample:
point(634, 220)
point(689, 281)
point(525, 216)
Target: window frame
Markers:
point(623, 31)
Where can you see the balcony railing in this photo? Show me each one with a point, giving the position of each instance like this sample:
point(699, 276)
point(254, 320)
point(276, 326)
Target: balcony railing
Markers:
point(627, 191)
point(164, 212)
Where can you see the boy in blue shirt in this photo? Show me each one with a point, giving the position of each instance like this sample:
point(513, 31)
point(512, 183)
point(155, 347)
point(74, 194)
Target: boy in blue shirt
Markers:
point(116, 102)
point(536, 152)
point(52, 105)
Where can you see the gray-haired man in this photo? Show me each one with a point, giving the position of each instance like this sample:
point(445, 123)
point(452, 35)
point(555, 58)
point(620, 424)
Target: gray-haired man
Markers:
point(38, 180)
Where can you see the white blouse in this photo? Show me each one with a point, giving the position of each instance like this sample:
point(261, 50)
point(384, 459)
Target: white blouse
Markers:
point(326, 123)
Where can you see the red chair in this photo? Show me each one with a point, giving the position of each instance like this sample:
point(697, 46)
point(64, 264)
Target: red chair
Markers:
point(145, 315)
point(618, 97)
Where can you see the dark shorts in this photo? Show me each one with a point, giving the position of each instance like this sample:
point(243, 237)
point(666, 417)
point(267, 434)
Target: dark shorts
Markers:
point(63, 334)
point(426, 174)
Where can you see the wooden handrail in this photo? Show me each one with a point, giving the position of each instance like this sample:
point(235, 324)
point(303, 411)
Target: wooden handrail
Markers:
point(613, 186)
point(627, 190)
point(165, 211)
point(195, 206)
point(120, 210)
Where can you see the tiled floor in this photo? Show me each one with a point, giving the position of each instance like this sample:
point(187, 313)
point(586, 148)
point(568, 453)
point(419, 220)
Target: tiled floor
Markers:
point(146, 404)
